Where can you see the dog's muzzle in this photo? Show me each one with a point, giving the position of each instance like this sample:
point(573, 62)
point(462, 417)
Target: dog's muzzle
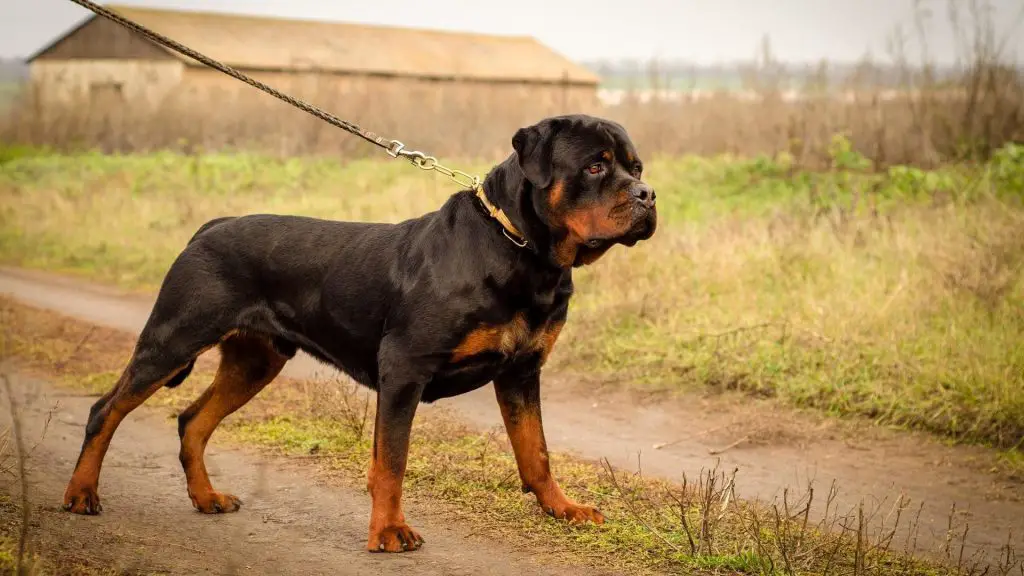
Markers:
point(645, 214)
point(643, 195)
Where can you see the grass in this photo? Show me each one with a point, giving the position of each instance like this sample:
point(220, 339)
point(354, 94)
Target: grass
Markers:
point(7, 458)
point(894, 295)
point(697, 527)
point(9, 560)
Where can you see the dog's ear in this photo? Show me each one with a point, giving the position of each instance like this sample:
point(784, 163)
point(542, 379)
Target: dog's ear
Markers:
point(533, 146)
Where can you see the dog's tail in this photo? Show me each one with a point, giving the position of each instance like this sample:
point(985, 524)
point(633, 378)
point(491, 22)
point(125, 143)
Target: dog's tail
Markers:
point(209, 225)
point(182, 374)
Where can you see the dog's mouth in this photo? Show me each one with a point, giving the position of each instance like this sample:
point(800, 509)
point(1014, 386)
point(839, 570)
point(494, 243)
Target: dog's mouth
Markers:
point(641, 229)
point(644, 223)
point(640, 221)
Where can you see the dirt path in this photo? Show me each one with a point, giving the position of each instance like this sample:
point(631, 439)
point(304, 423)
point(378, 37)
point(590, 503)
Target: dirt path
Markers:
point(775, 449)
point(289, 524)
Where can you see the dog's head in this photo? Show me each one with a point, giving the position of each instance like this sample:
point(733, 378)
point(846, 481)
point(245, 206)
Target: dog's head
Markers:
point(584, 182)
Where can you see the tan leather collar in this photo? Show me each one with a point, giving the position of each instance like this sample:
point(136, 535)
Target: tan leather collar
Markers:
point(509, 229)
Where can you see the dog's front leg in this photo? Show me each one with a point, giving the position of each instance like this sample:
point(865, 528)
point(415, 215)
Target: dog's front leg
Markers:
point(519, 398)
point(397, 397)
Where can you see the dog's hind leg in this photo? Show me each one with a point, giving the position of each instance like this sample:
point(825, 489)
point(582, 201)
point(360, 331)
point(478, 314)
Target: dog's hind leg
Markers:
point(248, 363)
point(152, 366)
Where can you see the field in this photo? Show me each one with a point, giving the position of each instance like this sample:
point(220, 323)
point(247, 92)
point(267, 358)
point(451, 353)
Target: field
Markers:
point(461, 476)
point(890, 295)
point(861, 291)
point(895, 296)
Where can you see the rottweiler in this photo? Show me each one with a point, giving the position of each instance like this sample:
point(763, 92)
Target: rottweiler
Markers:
point(428, 308)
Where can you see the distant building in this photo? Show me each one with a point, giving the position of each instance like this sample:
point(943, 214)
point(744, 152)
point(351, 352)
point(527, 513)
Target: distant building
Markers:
point(338, 66)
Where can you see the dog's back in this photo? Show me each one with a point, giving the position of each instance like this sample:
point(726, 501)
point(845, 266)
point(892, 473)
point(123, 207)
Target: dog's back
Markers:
point(323, 286)
point(209, 225)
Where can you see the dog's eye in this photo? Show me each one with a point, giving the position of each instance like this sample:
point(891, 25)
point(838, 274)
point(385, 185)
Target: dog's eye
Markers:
point(637, 170)
point(595, 168)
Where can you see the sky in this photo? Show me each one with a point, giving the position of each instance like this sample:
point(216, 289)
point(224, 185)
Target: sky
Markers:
point(699, 31)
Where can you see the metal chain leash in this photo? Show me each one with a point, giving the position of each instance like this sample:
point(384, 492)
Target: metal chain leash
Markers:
point(425, 162)
point(394, 148)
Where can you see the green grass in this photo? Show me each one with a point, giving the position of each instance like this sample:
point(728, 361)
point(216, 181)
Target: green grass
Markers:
point(475, 476)
point(895, 296)
point(8, 556)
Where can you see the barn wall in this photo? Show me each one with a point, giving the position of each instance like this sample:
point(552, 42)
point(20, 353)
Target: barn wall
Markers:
point(373, 95)
point(469, 117)
point(333, 90)
point(137, 105)
point(102, 39)
point(135, 83)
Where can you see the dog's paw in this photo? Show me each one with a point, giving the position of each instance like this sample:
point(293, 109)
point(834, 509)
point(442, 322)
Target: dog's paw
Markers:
point(82, 500)
point(215, 502)
point(575, 513)
point(396, 538)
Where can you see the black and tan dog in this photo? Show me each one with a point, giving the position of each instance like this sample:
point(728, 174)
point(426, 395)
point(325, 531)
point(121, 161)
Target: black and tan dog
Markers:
point(429, 308)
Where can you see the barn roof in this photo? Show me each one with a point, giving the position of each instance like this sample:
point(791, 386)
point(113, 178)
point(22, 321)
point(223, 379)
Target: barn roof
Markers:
point(266, 43)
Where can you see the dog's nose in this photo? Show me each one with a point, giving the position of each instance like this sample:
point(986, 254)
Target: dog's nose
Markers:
point(643, 194)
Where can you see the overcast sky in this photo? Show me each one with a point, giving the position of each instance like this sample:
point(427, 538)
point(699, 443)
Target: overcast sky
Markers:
point(703, 31)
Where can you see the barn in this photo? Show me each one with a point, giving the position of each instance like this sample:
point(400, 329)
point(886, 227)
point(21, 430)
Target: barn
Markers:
point(386, 74)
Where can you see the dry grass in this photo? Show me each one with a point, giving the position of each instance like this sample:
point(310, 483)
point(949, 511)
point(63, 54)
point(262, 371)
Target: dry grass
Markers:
point(6, 452)
point(448, 121)
point(923, 129)
point(697, 526)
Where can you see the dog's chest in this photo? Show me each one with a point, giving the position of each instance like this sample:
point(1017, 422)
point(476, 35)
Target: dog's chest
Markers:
point(512, 339)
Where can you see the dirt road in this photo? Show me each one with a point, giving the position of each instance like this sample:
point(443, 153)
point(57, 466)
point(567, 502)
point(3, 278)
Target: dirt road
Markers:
point(289, 524)
point(771, 449)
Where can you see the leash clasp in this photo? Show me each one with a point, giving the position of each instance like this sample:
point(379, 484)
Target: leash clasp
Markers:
point(394, 149)
point(424, 162)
